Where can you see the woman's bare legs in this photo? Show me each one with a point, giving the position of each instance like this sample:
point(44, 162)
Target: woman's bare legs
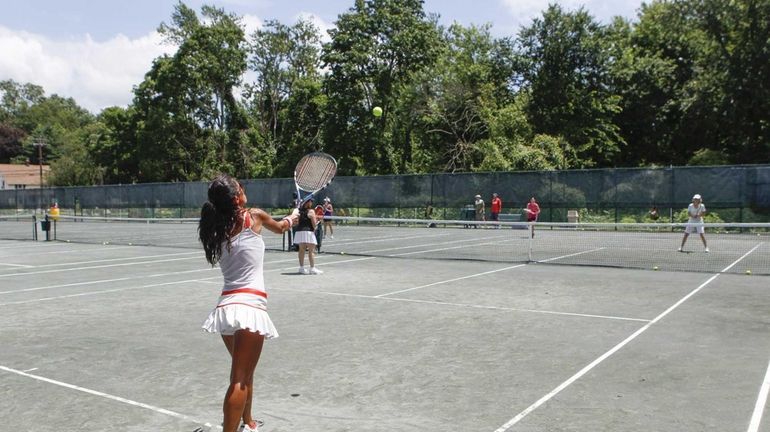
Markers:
point(245, 348)
point(311, 253)
point(247, 417)
point(301, 248)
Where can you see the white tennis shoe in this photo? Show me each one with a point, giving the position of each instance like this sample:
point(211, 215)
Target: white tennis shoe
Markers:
point(707, 250)
point(315, 271)
point(247, 428)
point(303, 270)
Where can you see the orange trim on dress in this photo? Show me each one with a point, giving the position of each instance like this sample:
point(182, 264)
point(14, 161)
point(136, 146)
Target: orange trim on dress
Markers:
point(243, 304)
point(245, 291)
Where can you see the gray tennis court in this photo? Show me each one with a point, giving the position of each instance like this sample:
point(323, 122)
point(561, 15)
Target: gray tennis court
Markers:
point(107, 337)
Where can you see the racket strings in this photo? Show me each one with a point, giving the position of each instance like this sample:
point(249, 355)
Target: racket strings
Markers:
point(315, 172)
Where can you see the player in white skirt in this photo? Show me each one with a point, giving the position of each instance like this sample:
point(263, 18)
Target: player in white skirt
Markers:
point(231, 236)
point(695, 212)
point(304, 238)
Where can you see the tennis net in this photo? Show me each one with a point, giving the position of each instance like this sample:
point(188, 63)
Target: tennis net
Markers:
point(166, 232)
point(18, 227)
point(636, 245)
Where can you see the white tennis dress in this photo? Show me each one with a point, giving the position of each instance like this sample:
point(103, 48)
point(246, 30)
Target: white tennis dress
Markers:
point(243, 302)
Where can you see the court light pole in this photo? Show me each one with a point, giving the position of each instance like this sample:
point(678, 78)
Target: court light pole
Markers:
point(40, 144)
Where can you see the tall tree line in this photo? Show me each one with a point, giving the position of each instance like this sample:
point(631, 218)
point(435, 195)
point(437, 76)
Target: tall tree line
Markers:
point(687, 82)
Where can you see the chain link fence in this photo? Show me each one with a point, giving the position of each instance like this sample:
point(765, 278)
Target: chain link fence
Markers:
point(738, 193)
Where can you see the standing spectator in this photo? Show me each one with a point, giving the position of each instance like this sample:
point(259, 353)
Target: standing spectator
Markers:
point(495, 208)
point(533, 211)
point(328, 213)
point(654, 213)
point(695, 212)
point(429, 215)
point(478, 205)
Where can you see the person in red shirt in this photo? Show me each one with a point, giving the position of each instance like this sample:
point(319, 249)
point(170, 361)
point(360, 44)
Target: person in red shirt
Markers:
point(496, 207)
point(532, 210)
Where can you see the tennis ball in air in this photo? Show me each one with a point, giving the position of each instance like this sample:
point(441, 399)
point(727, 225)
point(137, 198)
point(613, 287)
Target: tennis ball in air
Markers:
point(377, 111)
point(342, 253)
point(655, 268)
point(748, 272)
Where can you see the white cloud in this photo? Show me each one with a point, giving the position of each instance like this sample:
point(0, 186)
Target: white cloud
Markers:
point(251, 23)
point(523, 11)
point(322, 25)
point(95, 74)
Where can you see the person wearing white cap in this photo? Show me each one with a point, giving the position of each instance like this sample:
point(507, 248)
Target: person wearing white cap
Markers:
point(696, 210)
point(478, 204)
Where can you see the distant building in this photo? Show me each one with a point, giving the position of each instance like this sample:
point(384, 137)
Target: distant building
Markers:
point(22, 176)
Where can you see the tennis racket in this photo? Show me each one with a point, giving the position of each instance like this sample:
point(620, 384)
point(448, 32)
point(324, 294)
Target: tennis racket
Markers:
point(313, 172)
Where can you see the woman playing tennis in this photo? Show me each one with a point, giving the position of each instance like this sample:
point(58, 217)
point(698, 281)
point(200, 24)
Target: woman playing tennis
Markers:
point(533, 211)
point(305, 238)
point(695, 212)
point(231, 236)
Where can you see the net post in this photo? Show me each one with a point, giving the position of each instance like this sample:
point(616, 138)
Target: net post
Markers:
point(34, 227)
point(47, 228)
point(529, 243)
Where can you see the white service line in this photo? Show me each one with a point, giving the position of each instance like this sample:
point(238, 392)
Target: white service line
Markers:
point(759, 407)
point(570, 255)
point(89, 293)
point(465, 305)
point(15, 265)
point(510, 423)
point(95, 267)
point(103, 395)
point(450, 280)
point(429, 244)
point(120, 259)
point(37, 253)
point(104, 281)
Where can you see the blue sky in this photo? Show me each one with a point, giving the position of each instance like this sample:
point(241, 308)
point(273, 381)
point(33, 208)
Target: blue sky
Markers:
point(96, 50)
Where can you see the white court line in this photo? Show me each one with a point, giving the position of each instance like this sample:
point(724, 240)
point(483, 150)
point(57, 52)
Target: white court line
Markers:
point(465, 305)
point(103, 395)
point(481, 274)
point(428, 244)
point(151, 276)
point(104, 281)
point(510, 423)
point(90, 293)
point(67, 251)
point(450, 280)
point(756, 418)
point(570, 255)
point(199, 253)
point(95, 267)
point(16, 265)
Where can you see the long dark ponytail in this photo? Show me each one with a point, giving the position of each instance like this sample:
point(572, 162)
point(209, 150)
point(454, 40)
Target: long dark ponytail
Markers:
point(219, 215)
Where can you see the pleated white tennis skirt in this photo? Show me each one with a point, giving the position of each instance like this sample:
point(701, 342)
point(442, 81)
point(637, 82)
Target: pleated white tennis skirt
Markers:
point(230, 318)
point(305, 237)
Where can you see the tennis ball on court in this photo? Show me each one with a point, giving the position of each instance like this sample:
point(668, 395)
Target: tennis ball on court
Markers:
point(342, 253)
point(748, 272)
point(655, 268)
point(377, 111)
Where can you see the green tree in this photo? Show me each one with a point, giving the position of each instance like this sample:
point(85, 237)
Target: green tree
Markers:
point(16, 98)
point(189, 121)
point(284, 98)
point(467, 89)
point(565, 68)
point(376, 50)
point(733, 80)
